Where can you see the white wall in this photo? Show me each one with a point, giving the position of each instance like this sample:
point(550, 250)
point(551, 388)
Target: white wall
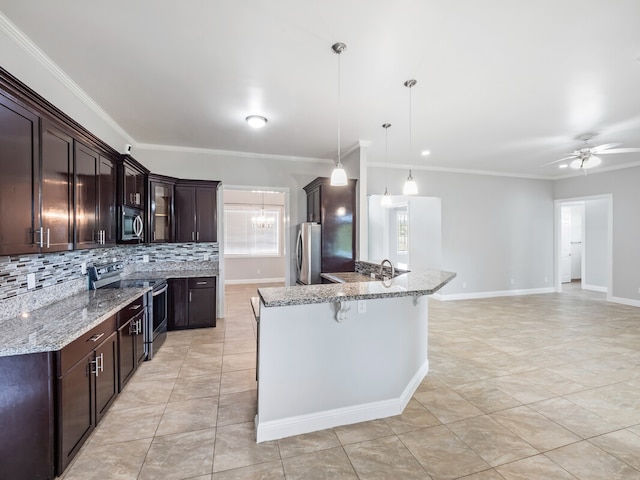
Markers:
point(623, 185)
point(494, 229)
point(596, 214)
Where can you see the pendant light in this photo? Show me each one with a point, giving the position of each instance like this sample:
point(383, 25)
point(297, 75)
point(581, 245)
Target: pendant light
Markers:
point(410, 186)
point(338, 176)
point(386, 199)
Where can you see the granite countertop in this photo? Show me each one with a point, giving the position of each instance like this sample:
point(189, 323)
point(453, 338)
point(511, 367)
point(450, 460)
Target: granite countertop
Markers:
point(50, 328)
point(156, 274)
point(408, 284)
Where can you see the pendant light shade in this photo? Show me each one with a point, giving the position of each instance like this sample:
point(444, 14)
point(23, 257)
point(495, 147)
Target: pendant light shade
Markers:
point(410, 186)
point(386, 199)
point(338, 176)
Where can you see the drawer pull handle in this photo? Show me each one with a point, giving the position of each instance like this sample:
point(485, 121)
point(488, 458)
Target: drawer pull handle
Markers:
point(135, 307)
point(96, 337)
point(201, 283)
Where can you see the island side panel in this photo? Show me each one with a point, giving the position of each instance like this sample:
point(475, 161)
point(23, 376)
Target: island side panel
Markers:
point(315, 372)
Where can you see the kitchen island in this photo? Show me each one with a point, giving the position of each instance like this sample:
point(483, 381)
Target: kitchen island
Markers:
point(341, 353)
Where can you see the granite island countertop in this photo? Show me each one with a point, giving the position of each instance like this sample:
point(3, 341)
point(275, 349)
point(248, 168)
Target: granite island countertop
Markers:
point(408, 284)
point(347, 277)
point(158, 274)
point(50, 328)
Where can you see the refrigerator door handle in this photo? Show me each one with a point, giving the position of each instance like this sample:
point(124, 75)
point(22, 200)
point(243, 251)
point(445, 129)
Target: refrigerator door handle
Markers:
point(299, 252)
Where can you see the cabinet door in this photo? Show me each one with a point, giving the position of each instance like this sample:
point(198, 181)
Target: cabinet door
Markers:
point(127, 360)
point(132, 187)
point(313, 206)
point(338, 214)
point(107, 200)
point(19, 151)
point(202, 307)
point(106, 376)
point(178, 305)
point(161, 212)
point(57, 189)
point(75, 417)
point(86, 195)
point(206, 227)
point(185, 214)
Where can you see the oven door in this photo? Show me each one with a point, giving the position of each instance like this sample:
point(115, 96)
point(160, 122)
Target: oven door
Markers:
point(159, 316)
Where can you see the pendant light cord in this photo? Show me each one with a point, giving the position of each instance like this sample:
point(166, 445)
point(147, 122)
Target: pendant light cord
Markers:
point(339, 108)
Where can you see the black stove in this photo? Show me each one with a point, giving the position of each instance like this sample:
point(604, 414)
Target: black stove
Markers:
point(109, 275)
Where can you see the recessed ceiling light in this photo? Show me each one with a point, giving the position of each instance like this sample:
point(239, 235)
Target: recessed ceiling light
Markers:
point(256, 121)
point(564, 165)
point(425, 153)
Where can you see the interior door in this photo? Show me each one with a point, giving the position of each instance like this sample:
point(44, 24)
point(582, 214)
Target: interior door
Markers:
point(565, 245)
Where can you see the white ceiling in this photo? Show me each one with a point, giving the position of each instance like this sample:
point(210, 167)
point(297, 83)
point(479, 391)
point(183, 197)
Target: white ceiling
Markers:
point(503, 85)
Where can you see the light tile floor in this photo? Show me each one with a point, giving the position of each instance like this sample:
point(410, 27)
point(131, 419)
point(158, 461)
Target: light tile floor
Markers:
point(532, 387)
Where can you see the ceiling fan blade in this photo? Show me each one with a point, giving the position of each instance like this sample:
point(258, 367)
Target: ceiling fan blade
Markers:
point(620, 150)
point(606, 146)
point(572, 157)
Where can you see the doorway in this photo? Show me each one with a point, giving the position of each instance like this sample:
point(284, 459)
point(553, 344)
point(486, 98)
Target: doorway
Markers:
point(584, 253)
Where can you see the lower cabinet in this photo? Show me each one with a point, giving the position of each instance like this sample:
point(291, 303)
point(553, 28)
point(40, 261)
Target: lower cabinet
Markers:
point(192, 302)
point(130, 324)
point(87, 384)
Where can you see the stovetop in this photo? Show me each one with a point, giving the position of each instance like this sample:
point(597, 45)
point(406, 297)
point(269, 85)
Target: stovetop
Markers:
point(109, 275)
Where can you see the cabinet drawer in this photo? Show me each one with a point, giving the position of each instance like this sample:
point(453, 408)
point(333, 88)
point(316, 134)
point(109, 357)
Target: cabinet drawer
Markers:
point(69, 355)
point(130, 311)
point(202, 282)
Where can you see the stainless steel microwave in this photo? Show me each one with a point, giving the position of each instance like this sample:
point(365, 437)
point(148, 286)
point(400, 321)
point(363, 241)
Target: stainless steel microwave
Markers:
point(131, 224)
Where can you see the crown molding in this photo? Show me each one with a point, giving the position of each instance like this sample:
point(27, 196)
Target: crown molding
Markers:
point(461, 170)
point(595, 171)
point(23, 41)
point(230, 153)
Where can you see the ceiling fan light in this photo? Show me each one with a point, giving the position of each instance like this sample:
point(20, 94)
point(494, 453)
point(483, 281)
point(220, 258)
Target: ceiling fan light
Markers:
point(591, 162)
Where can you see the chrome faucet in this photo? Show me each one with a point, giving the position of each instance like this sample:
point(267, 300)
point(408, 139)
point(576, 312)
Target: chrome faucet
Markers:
point(393, 269)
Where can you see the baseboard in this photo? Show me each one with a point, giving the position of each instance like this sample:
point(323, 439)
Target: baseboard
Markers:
point(287, 427)
point(253, 280)
point(594, 288)
point(624, 301)
point(502, 293)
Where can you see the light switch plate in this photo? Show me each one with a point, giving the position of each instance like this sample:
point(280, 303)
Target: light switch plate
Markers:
point(145, 258)
point(31, 281)
point(83, 268)
point(362, 306)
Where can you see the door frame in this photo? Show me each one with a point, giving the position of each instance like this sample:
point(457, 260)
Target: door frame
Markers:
point(557, 260)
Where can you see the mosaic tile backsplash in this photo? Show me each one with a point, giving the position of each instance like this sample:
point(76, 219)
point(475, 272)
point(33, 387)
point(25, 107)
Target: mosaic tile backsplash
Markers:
point(55, 269)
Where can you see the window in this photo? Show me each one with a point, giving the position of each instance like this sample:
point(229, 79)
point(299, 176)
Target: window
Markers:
point(402, 221)
point(242, 237)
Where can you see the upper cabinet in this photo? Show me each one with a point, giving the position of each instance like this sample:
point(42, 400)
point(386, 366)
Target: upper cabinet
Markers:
point(19, 164)
point(56, 189)
point(95, 198)
point(195, 211)
point(131, 183)
point(161, 192)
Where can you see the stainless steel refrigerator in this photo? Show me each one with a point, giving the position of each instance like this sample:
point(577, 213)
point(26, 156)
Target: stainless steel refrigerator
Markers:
point(308, 253)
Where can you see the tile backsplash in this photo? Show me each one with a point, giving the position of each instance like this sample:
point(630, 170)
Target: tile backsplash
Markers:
point(54, 269)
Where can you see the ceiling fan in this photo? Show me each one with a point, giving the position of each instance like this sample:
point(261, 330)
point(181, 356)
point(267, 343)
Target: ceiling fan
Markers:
point(587, 157)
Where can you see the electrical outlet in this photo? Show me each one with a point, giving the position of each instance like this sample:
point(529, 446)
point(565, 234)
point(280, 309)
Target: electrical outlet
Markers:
point(546, 280)
point(362, 306)
point(83, 268)
point(513, 281)
point(31, 281)
point(145, 258)
point(206, 257)
point(464, 284)
point(373, 275)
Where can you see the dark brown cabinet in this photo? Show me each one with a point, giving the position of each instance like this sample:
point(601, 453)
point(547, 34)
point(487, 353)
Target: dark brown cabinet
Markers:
point(335, 209)
point(195, 211)
point(131, 184)
point(130, 325)
point(56, 232)
point(19, 174)
point(192, 303)
point(26, 422)
point(87, 386)
point(95, 193)
point(161, 209)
